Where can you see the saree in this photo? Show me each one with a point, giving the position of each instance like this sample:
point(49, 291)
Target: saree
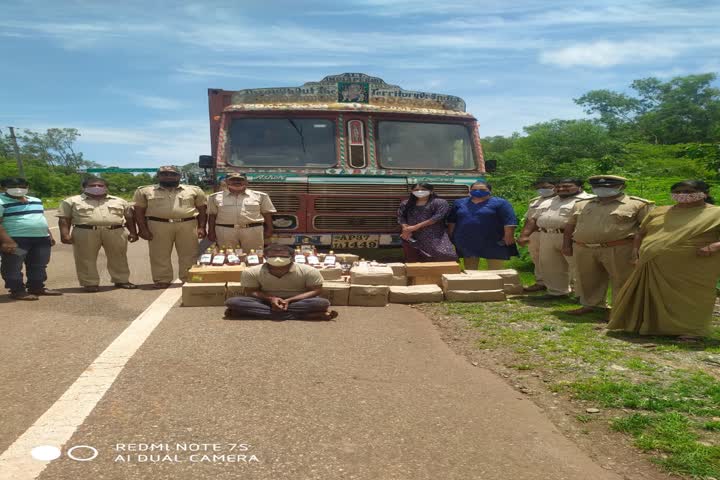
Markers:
point(672, 289)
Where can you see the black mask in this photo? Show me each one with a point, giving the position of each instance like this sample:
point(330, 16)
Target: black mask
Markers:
point(166, 183)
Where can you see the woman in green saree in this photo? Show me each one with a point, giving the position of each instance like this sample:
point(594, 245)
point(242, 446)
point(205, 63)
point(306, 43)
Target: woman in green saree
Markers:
point(672, 289)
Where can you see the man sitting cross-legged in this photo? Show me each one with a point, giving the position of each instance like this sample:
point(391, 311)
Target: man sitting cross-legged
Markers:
point(281, 290)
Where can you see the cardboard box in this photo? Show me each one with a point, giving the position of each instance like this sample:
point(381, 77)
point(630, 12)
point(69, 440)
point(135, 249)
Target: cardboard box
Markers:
point(398, 269)
point(203, 294)
point(431, 269)
point(416, 294)
point(475, 295)
point(399, 281)
point(369, 295)
point(337, 292)
point(371, 275)
point(234, 289)
point(330, 274)
point(209, 274)
point(510, 276)
point(461, 281)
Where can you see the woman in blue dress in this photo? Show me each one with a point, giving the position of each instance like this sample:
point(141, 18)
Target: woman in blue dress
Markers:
point(483, 226)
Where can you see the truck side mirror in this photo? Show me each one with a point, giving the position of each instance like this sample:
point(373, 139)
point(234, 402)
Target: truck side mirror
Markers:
point(490, 165)
point(206, 161)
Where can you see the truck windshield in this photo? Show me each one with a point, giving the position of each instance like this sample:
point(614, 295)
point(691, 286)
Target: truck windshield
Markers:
point(432, 146)
point(282, 142)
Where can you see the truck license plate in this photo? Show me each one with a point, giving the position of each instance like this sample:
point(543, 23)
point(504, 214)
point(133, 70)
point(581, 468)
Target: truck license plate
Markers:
point(346, 241)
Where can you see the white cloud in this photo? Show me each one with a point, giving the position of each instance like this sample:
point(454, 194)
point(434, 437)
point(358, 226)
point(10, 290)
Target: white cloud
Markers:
point(607, 54)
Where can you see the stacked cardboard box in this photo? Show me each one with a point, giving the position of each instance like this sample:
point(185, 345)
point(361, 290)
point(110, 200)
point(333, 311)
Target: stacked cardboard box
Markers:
point(399, 275)
point(369, 295)
point(511, 279)
point(366, 274)
point(337, 292)
point(203, 294)
point(416, 294)
point(210, 274)
point(483, 287)
point(429, 273)
point(331, 274)
point(234, 289)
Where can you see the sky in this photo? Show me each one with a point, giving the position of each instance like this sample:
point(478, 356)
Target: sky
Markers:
point(132, 76)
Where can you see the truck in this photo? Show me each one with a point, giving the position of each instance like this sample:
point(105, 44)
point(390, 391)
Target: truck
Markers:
point(339, 155)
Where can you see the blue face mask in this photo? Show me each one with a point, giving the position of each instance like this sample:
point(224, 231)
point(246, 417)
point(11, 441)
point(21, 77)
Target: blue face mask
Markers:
point(479, 193)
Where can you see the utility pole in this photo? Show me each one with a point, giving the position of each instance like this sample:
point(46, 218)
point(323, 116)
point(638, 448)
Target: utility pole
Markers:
point(21, 169)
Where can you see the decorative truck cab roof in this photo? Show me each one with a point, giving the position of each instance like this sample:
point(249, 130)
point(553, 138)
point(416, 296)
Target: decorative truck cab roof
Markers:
point(348, 91)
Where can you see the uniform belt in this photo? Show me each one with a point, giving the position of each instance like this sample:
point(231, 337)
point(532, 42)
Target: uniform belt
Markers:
point(98, 227)
point(552, 230)
point(247, 225)
point(170, 220)
point(614, 243)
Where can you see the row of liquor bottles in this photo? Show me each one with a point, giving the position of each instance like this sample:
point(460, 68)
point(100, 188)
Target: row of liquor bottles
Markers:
point(226, 255)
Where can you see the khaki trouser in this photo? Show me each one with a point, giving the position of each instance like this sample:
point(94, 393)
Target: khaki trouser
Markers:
point(183, 235)
point(557, 269)
point(248, 238)
point(596, 267)
point(471, 263)
point(86, 246)
point(534, 250)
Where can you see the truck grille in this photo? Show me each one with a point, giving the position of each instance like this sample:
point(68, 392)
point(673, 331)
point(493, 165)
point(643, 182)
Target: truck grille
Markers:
point(358, 189)
point(357, 204)
point(445, 191)
point(360, 223)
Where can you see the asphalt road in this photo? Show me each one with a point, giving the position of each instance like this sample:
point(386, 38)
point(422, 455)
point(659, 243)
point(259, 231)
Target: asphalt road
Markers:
point(374, 395)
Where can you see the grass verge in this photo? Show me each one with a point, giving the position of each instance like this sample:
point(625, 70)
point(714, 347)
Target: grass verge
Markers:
point(664, 394)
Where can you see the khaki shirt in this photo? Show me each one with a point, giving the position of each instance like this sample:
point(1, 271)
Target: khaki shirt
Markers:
point(170, 203)
point(103, 212)
point(300, 279)
point(534, 204)
point(597, 222)
point(553, 213)
point(240, 209)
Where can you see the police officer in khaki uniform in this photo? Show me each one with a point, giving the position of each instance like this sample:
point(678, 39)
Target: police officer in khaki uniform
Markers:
point(239, 215)
point(97, 220)
point(549, 219)
point(169, 214)
point(545, 188)
point(600, 238)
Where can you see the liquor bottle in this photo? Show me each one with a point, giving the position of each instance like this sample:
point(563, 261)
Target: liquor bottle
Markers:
point(206, 258)
point(312, 259)
point(252, 258)
point(232, 257)
point(330, 259)
point(261, 255)
point(219, 259)
point(299, 257)
point(240, 253)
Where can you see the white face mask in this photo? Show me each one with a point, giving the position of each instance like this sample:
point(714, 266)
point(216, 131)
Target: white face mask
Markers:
point(606, 191)
point(96, 190)
point(17, 192)
point(545, 192)
point(279, 261)
point(421, 193)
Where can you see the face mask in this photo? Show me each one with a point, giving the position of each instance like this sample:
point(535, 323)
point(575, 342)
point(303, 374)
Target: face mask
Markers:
point(421, 193)
point(479, 193)
point(17, 192)
point(279, 261)
point(96, 190)
point(166, 183)
point(606, 191)
point(688, 197)
point(545, 192)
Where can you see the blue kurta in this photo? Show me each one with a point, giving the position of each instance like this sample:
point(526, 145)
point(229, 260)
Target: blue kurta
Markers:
point(480, 227)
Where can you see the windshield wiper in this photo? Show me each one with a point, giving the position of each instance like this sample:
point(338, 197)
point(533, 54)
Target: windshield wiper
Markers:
point(299, 131)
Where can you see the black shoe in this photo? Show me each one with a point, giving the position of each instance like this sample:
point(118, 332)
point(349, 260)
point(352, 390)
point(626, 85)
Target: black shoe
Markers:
point(126, 285)
point(91, 288)
point(23, 296)
point(160, 285)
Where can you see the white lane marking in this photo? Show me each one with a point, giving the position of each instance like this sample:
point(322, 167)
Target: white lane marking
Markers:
point(58, 424)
